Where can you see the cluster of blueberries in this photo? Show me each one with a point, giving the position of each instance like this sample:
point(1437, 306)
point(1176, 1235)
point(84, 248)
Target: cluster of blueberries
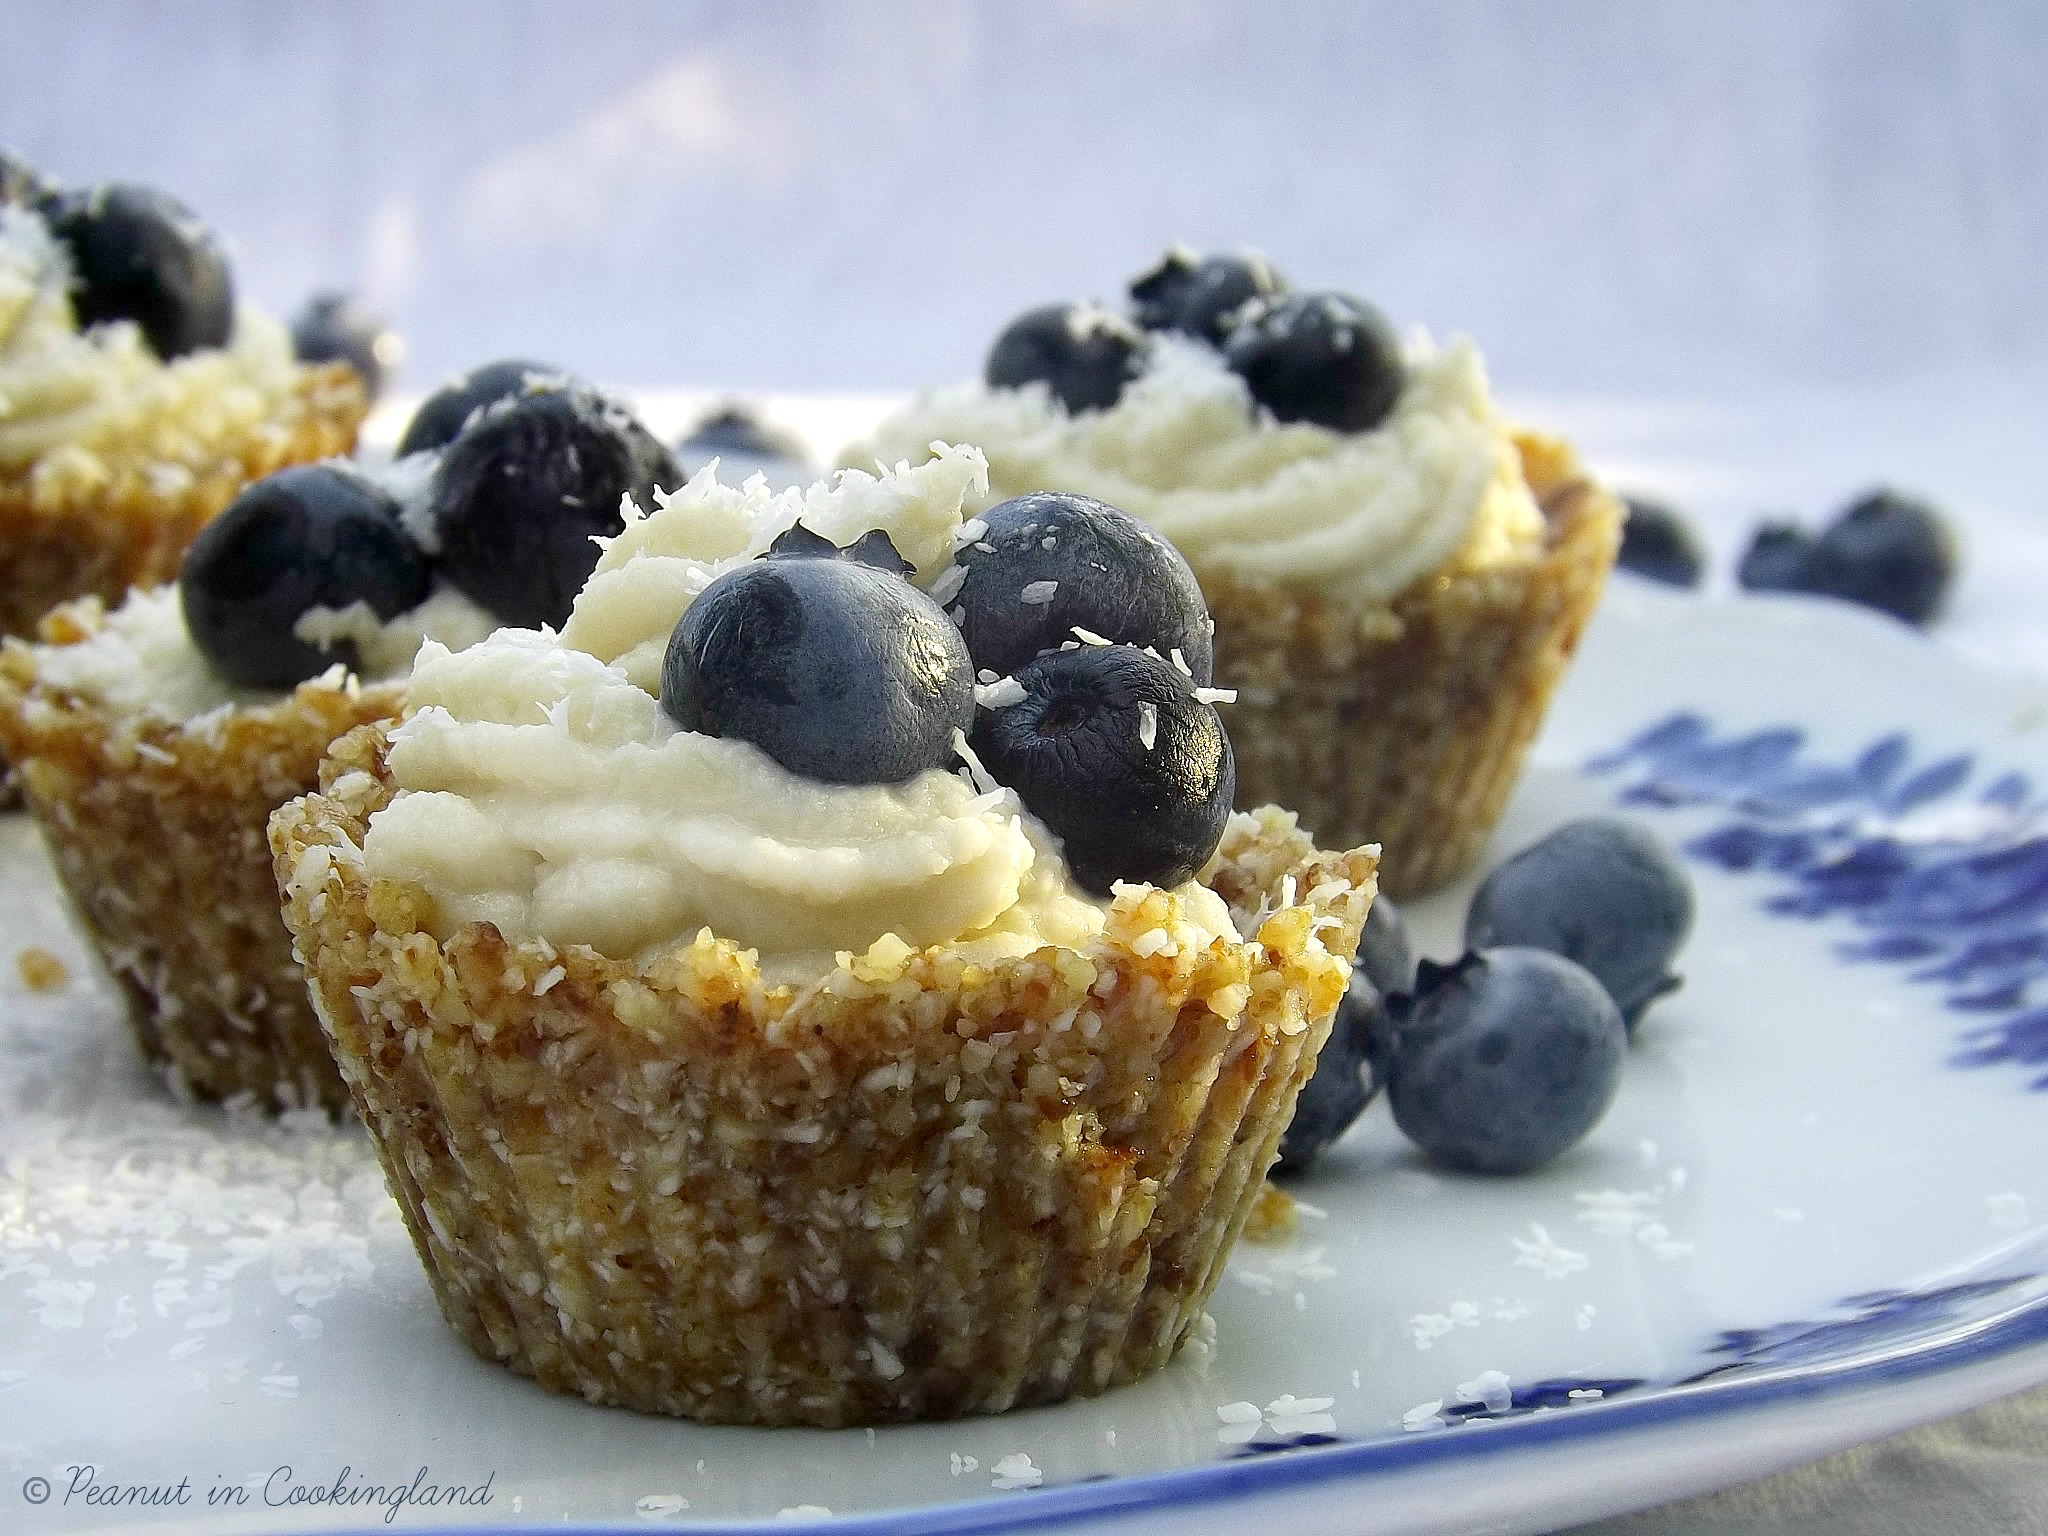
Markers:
point(135, 254)
point(531, 466)
point(1884, 550)
point(1071, 655)
point(1325, 357)
point(1507, 1057)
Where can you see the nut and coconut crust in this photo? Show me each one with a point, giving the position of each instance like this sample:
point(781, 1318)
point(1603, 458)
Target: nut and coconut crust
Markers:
point(156, 828)
point(1408, 722)
point(914, 1188)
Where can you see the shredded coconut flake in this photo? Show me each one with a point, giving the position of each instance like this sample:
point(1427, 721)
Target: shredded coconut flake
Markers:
point(1089, 637)
point(983, 781)
point(946, 586)
point(1217, 695)
point(1005, 691)
point(1037, 594)
point(1148, 722)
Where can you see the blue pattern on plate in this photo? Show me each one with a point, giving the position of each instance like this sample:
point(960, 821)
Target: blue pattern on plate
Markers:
point(1951, 884)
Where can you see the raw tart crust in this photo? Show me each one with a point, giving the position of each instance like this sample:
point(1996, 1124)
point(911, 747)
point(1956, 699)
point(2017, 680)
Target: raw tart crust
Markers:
point(1408, 721)
point(97, 523)
point(156, 827)
point(915, 1188)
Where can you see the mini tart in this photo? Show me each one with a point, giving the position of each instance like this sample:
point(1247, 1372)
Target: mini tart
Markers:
point(157, 830)
point(916, 1188)
point(1408, 722)
point(95, 523)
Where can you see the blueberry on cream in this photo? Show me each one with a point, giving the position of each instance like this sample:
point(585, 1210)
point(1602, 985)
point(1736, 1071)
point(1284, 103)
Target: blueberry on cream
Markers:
point(338, 327)
point(1201, 296)
point(139, 254)
point(443, 414)
point(1327, 358)
point(1119, 754)
point(1083, 354)
point(519, 496)
point(827, 660)
point(318, 536)
point(1035, 569)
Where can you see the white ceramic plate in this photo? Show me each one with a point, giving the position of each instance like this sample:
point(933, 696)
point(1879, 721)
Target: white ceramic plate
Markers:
point(1818, 1212)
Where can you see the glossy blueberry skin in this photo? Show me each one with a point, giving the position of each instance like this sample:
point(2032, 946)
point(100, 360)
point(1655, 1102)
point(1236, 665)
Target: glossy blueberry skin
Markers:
point(745, 446)
point(1327, 358)
point(1779, 559)
point(1074, 752)
point(1347, 1076)
point(1503, 1060)
point(519, 496)
point(312, 536)
point(1112, 576)
point(1084, 354)
point(840, 671)
point(19, 181)
point(1658, 543)
point(338, 327)
point(139, 254)
point(1604, 892)
point(442, 414)
point(1201, 296)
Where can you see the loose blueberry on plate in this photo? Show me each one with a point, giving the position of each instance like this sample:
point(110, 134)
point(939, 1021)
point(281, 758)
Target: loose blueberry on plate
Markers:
point(1889, 552)
point(1603, 892)
point(317, 535)
point(1201, 296)
point(519, 496)
point(1346, 1077)
point(1327, 358)
point(1386, 955)
point(1112, 749)
point(139, 254)
point(827, 660)
point(745, 446)
point(1504, 1059)
point(442, 414)
point(1658, 543)
point(338, 327)
point(1778, 559)
point(1048, 562)
point(1084, 354)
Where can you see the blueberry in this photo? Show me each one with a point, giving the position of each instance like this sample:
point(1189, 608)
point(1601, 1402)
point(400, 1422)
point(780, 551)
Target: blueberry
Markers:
point(1084, 354)
point(1347, 1076)
point(1327, 358)
point(1658, 543)
point(1386, 955)
point(1889, 552)
point(139, 254)
point(831, 663)
point(1603, 892)
point(19, 182)
point(318, 535)
point(520, 495)
point(1112, 750)
point(1052, 560)
point(337, 327)
point(1778, 559)
point(442, 414)
point(1503, 1060)
point(1201, 296)
point(745, 446)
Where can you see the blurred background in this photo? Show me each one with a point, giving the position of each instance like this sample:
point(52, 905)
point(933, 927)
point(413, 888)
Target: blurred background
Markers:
point(1756, 255)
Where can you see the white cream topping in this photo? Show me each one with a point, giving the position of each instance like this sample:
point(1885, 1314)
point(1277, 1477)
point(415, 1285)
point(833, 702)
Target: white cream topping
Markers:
point(542, 788)
point(101, 393)
point(1437, 483)
point(143, 659)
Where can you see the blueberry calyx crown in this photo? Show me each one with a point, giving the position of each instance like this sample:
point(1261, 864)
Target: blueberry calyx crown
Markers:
point(873, 548)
